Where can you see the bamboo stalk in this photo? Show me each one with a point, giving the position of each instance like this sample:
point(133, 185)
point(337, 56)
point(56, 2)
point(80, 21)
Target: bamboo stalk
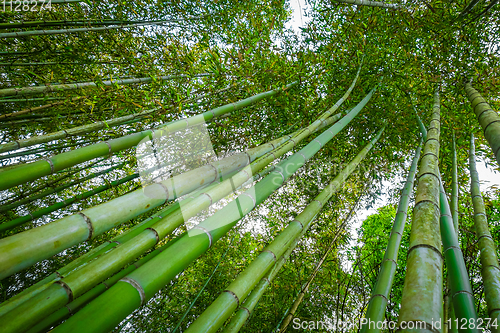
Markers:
point(490, 270)
point(74, 86)
point(58, 189)
point(191, 245)
point(422, 302)
point(460, 288)
point(50, 183)
point(220, 310)
point(35, 170)
point(370, 3)
point(44, 211)
point(27, 24)
point(487, 117)
point(67, 31)
point(385, 278)
point(28, 110)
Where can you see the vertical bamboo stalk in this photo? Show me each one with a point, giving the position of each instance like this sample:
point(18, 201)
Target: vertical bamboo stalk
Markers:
point(380, 293)
point(490, 270)
point(422, 302)
point(460, 288)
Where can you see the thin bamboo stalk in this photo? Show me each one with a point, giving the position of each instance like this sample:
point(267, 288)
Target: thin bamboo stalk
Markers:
point(58, 189)
point(487, 117)
point(220, 310)
point(300, 297)
point(10, 100)
point(490, 270)
point(422, 302)
point(27, 24)
point(370, 3)
point(32, 171)
point(74, 86)
point(38, 108)
point(191, 245)
point(385, 278)
point(42, 150)
point(460, 288)
point(67, 31)
point(51, 183)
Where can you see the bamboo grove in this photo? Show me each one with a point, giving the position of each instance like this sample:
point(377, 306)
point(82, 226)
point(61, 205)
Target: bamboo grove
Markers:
point(194, 166)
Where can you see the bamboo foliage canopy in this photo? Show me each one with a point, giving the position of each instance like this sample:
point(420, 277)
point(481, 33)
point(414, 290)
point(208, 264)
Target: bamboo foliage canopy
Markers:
point(356, 134)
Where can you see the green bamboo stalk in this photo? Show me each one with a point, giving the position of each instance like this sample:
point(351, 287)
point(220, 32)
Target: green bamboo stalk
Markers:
point(487, 117)
point(191, 245)
point(44, 211)
point(460, 288)
point(58, 189)
point(67, 31)
point(86, 277)
point(422, 301)
point(10, 100)
point(38, 108)
point(52, 63)
point(42, 150)
point(448, 306)
point(300, 297)
point(490, 270)
point(385, 278)
point(246, 309)
point(50, 183)
point(73, 86)
point(92, 222)
point(220, 310)
point(27, 24)
point(32, 171)
point(370, 3)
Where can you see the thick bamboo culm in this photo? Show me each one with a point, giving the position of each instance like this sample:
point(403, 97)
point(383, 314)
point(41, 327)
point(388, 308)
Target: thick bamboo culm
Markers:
point(35, 170)
point(108, 263)
point(487, 118)
point(191, 245)
point(216, 314)
point(422, 300)
point(385, 278)
point(490, 270)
